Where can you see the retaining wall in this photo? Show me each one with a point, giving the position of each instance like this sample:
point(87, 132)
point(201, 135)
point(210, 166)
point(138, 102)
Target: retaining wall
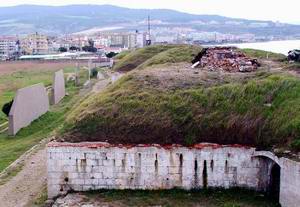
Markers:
point(92, 166)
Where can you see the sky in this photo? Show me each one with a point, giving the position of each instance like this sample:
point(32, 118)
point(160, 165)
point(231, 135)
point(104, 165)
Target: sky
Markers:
point(275, 10)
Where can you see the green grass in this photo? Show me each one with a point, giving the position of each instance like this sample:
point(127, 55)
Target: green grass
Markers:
point(40, 199)
point(292, 66)
point(121, 55)
point(181, 198)
point(10, 83)
point(260, 54)
point(13, 147)
point(262, 112)
point(10, 174)
point(139, 56)
point(181, 53)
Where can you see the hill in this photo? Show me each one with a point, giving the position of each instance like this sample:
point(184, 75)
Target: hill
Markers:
point(167, 104)
point(75, 18)
point(155, 55)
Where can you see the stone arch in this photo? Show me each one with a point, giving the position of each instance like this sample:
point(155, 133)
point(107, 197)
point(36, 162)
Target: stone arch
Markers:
point(265, 154)
point(269, 173)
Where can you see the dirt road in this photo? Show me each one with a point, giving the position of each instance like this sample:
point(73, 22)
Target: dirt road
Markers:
point(27, 184)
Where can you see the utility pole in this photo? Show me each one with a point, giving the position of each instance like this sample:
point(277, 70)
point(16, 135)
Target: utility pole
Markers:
point(148, 37)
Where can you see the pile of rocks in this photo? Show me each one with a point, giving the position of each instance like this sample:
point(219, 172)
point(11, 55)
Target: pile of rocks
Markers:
point(227, 59)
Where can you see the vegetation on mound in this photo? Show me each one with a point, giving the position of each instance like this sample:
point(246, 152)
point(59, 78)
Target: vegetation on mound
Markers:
point(122, 54)
point(181, 53)
point(261, 112)
point(261, 54)
point(157, 54)
point(181, 198)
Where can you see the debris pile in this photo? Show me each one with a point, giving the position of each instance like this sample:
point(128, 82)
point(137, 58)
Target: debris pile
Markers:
point(227, 59)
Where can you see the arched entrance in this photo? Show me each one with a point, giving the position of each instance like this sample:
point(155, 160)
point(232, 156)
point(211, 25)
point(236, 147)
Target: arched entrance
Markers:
point(269, 174)
point(274, 182)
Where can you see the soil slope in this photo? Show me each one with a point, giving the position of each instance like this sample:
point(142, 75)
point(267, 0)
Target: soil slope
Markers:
point(167, 104)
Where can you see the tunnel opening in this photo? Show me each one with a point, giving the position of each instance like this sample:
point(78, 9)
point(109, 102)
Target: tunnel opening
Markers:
point(274, 183)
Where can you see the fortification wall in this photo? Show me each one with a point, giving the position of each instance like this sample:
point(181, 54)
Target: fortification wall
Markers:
point(289, 183)
point(92, 166)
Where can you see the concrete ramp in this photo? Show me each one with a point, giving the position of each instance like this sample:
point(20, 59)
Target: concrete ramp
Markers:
point(29, 104)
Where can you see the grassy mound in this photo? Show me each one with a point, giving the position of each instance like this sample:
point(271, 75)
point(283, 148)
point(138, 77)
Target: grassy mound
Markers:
point(181, 53)
point(121, 55)
point(157, 54)
point(260, 54)
point(262, 111)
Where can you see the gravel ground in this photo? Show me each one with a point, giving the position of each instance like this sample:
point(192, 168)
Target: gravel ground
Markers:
point(27, 184)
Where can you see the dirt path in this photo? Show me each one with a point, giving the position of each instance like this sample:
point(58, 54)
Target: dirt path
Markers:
point(27, 184)
point(102, 84)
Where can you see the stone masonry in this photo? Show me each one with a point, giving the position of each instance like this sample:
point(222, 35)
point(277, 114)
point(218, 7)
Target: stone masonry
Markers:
point(58, 88)
point(93, 166)
point(29, 104)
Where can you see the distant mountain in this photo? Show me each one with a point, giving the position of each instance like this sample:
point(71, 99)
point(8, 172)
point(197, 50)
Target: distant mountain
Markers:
point(26, 19)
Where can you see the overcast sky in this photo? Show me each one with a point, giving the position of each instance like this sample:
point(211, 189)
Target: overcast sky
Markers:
point(276, 10)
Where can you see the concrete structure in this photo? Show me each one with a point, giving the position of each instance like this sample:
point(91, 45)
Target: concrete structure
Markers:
point(29, 104)
point(8, 46)
point(282, 177)
point(58, 88)
point(35, 44)
point(92, 166)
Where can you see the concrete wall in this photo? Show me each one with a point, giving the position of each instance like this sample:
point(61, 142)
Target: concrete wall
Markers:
point(92, 166)
point(29, 104)
point(289, 177)
point(58, 89)
point(290, 183)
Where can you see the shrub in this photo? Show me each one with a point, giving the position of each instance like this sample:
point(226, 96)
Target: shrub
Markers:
point(6, 107)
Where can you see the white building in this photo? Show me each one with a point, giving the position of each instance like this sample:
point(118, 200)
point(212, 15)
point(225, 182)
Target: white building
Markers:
point(8, 46)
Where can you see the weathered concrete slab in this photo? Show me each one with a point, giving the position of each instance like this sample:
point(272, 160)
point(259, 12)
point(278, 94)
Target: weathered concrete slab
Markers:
point(29, 104)
point(58, 89)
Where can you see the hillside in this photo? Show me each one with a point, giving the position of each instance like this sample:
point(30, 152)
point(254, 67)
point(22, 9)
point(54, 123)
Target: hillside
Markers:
point(55, 20)
point(172, 103)
point(155, 55)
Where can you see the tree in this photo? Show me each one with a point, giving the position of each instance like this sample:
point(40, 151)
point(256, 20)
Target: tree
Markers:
point(6, 107)
point(89, 49)
point(91, 42)
point(74, 48)
point(62, 49)
point(111, 54)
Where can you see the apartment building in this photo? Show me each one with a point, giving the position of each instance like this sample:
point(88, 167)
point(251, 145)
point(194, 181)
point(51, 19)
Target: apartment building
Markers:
point(35, 44)
point(8, 47)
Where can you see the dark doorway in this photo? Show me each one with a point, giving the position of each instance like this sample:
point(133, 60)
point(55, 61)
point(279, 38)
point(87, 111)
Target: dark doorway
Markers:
point(274, 187)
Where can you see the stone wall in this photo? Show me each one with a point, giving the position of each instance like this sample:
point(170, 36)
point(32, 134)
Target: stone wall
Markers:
point(290, 183)
point(58, 88)
point(29, 104)
point(92, 166)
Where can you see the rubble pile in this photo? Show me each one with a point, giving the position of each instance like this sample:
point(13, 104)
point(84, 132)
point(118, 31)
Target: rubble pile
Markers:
point(227, 59)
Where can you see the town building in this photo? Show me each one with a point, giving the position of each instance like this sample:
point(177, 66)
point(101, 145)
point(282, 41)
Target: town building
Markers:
point(35, 44)
point(9, 45)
